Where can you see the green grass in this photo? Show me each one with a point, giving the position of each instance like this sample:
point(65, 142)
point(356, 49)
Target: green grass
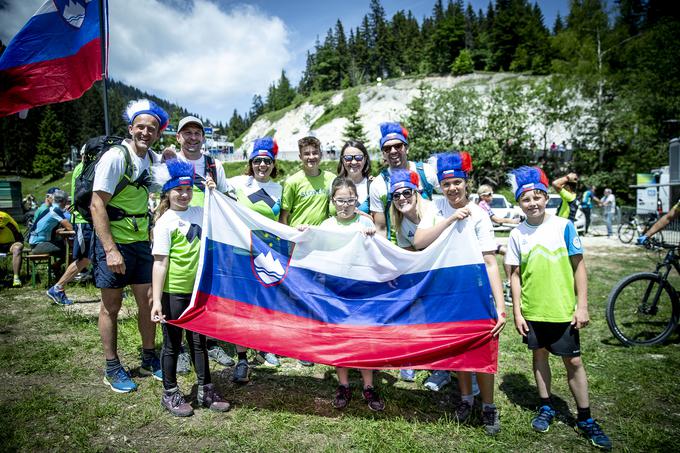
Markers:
point(349, 105)
point(53, 398)
point(38, 186)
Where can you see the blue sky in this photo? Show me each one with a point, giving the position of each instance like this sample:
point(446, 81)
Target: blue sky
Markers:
point(212, 56)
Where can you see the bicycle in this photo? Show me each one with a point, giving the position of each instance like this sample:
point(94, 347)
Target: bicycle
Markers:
point(634, 228)
point(643, 308)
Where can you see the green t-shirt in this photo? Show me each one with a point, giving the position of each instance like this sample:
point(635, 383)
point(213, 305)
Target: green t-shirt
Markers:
point(177, 235)
point(568, 206)
point(306, 198)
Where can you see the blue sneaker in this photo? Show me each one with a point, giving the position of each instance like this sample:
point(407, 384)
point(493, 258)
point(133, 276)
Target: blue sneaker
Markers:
point(120, 381)
point(437, 380)
point(541, 422)
point(592, 431)
point(152, 368)
point(407, 375)
point(58, 296)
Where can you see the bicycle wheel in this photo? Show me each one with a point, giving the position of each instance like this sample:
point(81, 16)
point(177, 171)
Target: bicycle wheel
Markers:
point(642, 309)
point(626, 233)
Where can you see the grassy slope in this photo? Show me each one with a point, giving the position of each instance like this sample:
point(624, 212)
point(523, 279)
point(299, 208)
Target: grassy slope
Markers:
point(53, 398)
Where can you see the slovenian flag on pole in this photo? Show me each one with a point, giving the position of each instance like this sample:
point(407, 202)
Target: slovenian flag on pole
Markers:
point(341, 298)
point(55, 57)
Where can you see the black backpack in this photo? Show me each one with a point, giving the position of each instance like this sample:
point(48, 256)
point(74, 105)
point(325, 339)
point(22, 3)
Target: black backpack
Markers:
point(82, 193)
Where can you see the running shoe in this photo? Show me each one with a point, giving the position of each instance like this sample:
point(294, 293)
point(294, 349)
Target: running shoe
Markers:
point(343, 395)
point(16, 282)
point(152, 368)
point(120, 381)
point(208, 397)
point(407, 375)
point(175, 403)
point(491, 421)
point(183, 363)
point(593, 432)
point(58, 296)
point(437, 380)
point(541, 422)
point(373, 400)
point(462, 411)
point(306, 363)
point(241, 372)
point(268, 359)
point(217, 354)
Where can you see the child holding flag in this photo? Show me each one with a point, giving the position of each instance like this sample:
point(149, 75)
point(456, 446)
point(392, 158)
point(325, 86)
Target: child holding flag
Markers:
point(550, 298)
point(177, 237)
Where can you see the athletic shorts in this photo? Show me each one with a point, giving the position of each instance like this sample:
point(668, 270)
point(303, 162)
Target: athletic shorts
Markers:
point(138, 265)
point(6, 248)
point(82, 241)
point(50, 248)
point(559, 338)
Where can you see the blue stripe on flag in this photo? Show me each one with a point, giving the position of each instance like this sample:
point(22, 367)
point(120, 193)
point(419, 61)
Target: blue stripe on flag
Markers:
point(451, 294)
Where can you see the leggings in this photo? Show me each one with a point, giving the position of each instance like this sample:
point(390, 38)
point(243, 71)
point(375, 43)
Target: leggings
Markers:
point(173, 306)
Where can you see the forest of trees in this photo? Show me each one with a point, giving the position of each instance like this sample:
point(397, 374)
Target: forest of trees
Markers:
point(621, 58)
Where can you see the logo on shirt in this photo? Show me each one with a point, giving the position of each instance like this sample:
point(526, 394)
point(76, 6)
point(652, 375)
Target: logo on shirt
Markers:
point(269, 257)
point(576, 242)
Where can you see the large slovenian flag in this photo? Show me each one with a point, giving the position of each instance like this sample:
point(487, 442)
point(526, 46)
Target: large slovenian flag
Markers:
point(341, 298)
point(55, 57)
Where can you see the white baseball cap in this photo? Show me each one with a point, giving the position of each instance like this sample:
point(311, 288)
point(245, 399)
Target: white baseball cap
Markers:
point(189, 120)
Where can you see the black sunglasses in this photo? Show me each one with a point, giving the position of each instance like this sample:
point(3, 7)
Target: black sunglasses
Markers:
point(349, 158)
point(398, 147)
point(262, 160)
point(406, 193)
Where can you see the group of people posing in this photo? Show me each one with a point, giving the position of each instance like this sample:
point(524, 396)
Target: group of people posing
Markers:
point(544, 254)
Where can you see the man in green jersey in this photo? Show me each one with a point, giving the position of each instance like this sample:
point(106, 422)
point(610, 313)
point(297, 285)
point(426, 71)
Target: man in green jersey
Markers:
point(121, 254)
point(566, 189)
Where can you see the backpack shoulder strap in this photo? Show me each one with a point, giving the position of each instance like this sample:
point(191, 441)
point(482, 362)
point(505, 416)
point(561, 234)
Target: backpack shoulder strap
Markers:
point(386, 177)
point(210, 167)
point(427, 187)
point(127, 176)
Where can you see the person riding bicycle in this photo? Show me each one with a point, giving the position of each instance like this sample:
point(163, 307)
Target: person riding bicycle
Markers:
point(660, 224)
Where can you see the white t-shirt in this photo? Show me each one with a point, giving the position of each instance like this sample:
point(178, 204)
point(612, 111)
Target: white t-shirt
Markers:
point(478, 218)
point(379, 189)
point(609, 203)
point(170, 221)
point(250, 185)
point(407, 230)
point(360, 223)
point(111, 167)
point(199, 167)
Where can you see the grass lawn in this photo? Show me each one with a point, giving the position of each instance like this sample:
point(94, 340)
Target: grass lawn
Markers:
point(53, 397)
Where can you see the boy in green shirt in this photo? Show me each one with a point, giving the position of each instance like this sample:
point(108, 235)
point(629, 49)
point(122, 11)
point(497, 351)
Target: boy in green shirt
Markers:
point(306, 194)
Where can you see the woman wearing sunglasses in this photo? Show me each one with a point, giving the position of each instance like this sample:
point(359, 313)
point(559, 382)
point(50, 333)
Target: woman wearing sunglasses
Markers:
point(257, 191)
point(355, 165)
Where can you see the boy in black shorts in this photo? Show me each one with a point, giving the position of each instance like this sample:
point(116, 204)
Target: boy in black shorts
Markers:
point(550, 298)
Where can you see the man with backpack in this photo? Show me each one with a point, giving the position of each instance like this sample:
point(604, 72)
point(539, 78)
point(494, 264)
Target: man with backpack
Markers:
point(121, 254)
point(394, 147)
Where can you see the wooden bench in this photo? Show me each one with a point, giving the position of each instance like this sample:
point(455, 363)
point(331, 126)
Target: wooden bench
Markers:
point(33, 261)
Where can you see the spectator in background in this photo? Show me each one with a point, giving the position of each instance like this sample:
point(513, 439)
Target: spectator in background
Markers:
point(44, 238)
point(566, 189)
point(153, 202)
point(608, 202)
point(587, 205)
point(11, 241)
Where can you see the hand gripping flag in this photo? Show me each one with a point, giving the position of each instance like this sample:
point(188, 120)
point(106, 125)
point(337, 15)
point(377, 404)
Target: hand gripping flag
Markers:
point(341, 298)
point(55, 57)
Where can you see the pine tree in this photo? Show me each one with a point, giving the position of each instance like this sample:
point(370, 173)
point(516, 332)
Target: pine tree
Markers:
point(463, 63)
point(51, 147)
point(354, 130)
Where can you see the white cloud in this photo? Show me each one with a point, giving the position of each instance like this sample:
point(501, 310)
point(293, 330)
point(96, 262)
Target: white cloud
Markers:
point(205, 59)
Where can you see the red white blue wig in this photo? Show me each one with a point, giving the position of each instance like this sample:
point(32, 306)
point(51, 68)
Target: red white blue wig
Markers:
point(146, 107)
point(524, 179)
point(453, 165)
point(264, 147)
point(400, 179)
point(392, 131)
point(174, 173)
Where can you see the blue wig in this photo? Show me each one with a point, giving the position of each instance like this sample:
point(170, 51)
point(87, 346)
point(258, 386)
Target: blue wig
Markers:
point(146, 107)
point(180, 173)
point(524, 179)
point(453, 165)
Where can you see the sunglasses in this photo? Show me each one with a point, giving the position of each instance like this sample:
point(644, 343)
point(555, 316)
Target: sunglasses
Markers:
point(345, 201)
point(406, 194)
point(399, 147)
point(349, 158)
point(262, 160)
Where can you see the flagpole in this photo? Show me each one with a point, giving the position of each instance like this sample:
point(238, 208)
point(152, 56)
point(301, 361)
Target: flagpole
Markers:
point(103, 37)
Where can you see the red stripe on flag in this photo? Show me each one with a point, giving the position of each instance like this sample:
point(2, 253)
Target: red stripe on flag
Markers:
point(461, 346)
point(48, 82)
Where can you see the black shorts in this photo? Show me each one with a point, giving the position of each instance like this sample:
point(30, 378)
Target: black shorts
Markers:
point(559, 338)
point(6, 248)
point(138, 265)
point(82, 241)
